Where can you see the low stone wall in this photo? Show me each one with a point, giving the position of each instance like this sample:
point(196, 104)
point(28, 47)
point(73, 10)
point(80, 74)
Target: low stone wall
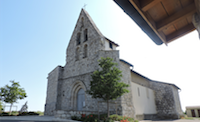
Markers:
point(67, 114)
point(147, 117)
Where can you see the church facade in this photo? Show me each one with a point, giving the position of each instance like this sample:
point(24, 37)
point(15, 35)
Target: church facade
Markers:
point(66, 87)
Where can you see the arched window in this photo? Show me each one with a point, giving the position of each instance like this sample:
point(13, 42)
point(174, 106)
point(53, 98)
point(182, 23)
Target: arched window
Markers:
point(77, 54)
point(80, 100)
point(85, 51)
point(85, 35)
point(78, 39)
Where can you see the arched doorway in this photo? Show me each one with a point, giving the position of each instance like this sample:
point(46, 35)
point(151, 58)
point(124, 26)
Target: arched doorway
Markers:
point(80, 99)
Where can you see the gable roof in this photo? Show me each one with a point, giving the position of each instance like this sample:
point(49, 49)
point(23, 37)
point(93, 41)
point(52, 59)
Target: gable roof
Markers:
point(83, 11)
point(111, 41)
point(154, 80)
point(126, 62)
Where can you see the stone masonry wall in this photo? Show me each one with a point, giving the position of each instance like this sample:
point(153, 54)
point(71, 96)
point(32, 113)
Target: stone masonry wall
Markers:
point(65, 96)
point(165, 101)
point(66, 99)
point(126, 99)
point(94, 43)
point(177, 101)
point(51, 99)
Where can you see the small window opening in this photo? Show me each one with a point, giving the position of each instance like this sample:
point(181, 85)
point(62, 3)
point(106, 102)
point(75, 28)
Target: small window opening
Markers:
point(138, 92)
point(147, 92)
point(199, 112)
point(193, 113)
point(85, 35)
point(78, 40)
point(82, 21)
point(77, 54)
point(85, 51)
point(111, 46)
point(82, 24)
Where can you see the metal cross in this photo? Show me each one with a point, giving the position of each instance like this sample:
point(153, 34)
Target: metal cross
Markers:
point(84, 6)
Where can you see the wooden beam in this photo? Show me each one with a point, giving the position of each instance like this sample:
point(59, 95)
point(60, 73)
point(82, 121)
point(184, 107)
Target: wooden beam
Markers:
point(197, 4)
point(137, 3)
point(196, 17)
point(147, 4)
point(148, 16)
point(145, 18)
point(189, 10)
point(181, 32)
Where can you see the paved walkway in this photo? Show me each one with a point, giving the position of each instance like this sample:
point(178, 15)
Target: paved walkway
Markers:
point(178, 120)
point(36, 118)
point(51, 118)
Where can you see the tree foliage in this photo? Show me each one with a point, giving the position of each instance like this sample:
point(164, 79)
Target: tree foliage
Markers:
point(10, 94)
point(105, 82)
point(1, 106)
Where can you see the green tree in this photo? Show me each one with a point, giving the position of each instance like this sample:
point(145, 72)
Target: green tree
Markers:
point(10, 94)
point(105, 82)
point(1, 106)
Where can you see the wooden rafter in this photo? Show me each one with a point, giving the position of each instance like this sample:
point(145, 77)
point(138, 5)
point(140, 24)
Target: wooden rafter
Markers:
point(147, 4)
point(149, 23)
point(180, 32)
point(189, 10)
point(164, 21)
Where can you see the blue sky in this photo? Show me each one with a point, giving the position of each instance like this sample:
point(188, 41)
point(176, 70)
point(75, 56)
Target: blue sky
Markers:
point(34, 35)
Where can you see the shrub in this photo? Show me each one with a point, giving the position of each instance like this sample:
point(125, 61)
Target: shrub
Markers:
point(14, 113)
point(74, 117)
point(83, 117)
point(40, 113)
point(1, 106)
point(115, 117)
point(27, 113)
point(91, 118)
point(103, 118)
point(108, 120)
point(4, 114)
point(22, 114)
point(129, 119)
point(32, 113)
point(124, 120)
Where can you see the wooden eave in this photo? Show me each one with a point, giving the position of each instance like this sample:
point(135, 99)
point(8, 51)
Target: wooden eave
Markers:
point(162, 20)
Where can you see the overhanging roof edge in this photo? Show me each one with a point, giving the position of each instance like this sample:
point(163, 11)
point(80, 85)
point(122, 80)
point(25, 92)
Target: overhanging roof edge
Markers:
point(138, 19)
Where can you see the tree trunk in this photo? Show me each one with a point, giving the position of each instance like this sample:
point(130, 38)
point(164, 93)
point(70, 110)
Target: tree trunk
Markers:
point(108, 108)
point(11, 107)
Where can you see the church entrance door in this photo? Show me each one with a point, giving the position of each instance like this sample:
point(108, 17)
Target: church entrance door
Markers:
point(80, 99)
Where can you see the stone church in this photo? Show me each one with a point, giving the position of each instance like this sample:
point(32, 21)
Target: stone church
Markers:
point(66, 88)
